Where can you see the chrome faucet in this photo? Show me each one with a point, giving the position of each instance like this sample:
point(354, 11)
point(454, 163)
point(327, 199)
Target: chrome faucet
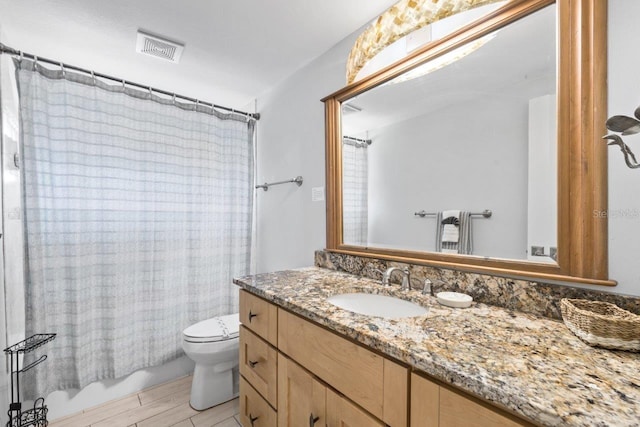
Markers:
point(406, 277)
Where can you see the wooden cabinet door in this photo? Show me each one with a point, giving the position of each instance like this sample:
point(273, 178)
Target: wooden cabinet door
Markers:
point(342, 413)
point(254, 410)
point(457, 410)
point(301, 398)
point(433, 405)
point(425, 402)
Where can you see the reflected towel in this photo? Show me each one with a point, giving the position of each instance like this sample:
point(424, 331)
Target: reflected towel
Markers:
point(450, 229)
point(450, 233)
point(464, 243)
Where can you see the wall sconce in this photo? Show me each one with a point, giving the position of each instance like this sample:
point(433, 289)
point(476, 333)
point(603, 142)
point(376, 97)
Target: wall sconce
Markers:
point(626, 126)
point(399, 21)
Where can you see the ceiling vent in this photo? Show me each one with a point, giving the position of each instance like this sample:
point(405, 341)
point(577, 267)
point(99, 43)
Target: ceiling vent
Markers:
point(349, 108)
point(158, 47)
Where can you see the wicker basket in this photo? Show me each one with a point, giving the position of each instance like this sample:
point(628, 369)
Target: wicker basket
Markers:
point(602, 324)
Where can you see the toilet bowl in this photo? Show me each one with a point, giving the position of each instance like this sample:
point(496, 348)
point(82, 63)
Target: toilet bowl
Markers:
point(213, 345)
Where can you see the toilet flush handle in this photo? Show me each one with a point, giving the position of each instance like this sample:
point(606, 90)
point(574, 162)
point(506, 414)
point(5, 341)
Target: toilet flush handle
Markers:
point(251, 316)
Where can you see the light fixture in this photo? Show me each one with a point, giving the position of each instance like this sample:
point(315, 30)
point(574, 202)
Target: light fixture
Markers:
point(443, 60)
point(624, 125)
point(401, 20)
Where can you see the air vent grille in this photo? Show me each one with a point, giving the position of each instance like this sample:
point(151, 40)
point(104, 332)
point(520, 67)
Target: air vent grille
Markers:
point(349, 108)
point(158, 47)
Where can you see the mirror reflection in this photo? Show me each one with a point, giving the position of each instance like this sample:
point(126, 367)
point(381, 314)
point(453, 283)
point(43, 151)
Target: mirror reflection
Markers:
point(427, 154)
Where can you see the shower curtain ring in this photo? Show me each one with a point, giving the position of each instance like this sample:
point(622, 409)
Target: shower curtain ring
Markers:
point(93, 77)
point(124, 83)
point(150, 91)
point(62, 69)
point(21, 57)
point(174, 99)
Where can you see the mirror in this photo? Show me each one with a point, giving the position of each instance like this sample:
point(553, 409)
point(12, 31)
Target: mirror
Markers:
point(476, 134)
point(502, 115)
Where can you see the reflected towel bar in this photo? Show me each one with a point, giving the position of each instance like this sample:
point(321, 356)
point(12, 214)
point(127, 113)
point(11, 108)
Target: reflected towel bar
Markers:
point(485, 213)
point(266, 185)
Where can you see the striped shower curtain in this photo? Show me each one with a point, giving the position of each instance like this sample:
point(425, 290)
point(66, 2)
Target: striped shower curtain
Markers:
point(137, 214)
point(355, 187)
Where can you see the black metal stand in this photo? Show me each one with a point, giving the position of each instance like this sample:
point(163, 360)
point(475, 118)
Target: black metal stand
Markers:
point(36, 416)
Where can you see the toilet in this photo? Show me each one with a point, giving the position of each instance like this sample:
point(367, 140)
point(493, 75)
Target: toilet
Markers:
point(213, 345)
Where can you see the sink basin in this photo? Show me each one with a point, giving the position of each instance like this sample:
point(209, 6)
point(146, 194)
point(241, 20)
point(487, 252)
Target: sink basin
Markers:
point(377, 305)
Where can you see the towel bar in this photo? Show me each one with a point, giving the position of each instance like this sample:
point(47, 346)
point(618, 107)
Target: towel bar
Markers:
point(485, 213)
point(266, 185)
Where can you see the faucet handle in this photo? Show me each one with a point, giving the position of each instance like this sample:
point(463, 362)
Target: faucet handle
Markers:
point(406, 279)
point(426, 289)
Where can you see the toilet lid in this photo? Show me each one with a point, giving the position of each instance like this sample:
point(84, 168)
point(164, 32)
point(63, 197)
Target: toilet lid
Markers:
point(215, 329)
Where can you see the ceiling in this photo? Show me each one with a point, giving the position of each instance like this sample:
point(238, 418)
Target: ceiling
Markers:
point(235, 50)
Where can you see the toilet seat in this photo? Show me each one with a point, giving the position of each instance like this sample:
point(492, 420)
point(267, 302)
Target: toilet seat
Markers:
point(221, 328)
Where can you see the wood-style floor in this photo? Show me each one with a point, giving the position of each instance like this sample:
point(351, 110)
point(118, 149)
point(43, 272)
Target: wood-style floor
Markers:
point(164, 405)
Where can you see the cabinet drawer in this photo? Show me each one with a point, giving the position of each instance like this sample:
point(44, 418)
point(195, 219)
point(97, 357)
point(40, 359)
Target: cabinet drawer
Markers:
point(260, 316)
point(258, 364)
point(349, 368)
point(254, 410)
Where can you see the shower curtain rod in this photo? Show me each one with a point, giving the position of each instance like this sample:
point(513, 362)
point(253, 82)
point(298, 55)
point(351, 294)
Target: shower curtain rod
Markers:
point(351, 138)
point(19, 54)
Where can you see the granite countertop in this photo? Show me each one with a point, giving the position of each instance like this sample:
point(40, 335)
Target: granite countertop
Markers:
point(533, 366)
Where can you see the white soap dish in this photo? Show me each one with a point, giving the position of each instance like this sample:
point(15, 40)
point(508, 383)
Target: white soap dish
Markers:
point(454, 299)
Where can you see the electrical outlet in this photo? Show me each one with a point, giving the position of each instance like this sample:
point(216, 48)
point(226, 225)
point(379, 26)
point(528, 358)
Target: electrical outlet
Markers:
point(537, 250)
point(317, 194)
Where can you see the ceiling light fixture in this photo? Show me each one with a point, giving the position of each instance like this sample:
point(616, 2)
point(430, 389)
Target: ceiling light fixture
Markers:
point(399, 21)
point(443, 60)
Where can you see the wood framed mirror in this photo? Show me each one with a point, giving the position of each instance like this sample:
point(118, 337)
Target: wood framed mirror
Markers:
point(578, 111)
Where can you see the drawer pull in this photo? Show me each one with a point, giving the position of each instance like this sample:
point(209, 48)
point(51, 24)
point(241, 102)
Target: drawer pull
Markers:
point(252, 419)
point(313, 420)
point(252, 363)
point(251, 316)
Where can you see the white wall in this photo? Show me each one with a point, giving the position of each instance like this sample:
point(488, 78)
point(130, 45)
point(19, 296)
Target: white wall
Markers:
point(624, 183)
point(542, 204)
point(436, 162)
point(291, 227)
point(291, 143)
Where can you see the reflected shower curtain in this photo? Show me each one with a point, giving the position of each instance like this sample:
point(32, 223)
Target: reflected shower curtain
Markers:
point(137, 216)
point(354, 192)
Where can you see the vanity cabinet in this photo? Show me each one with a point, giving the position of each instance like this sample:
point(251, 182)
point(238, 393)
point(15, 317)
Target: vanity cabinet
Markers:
point(433, 405)
point(374, 382)
point(293, 371)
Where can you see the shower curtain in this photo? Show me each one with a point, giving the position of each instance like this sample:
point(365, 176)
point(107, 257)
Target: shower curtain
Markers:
point(137, 214)
point(354, 192)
